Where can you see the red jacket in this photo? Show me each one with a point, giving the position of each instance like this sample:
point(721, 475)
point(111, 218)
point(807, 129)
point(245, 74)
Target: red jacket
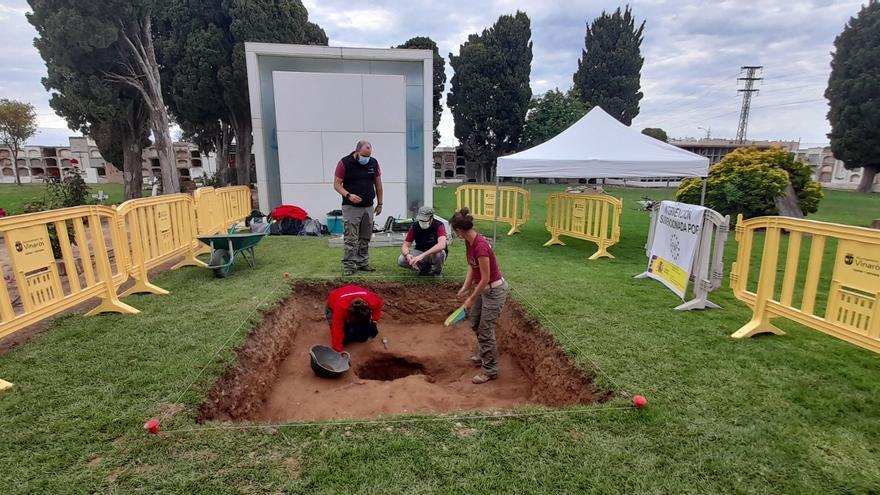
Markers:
point(340, 300)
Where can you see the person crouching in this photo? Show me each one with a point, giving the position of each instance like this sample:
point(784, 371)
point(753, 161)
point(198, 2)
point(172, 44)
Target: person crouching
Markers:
point(352, 313)
point(429, 236)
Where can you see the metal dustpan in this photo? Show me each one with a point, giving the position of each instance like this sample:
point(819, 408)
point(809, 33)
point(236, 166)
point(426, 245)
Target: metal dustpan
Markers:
point(328, 363)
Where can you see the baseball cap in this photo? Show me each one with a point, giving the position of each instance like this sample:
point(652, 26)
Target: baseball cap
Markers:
point(425, 214)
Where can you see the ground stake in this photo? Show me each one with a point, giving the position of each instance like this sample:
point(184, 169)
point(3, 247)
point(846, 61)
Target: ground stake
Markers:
point(152, 426)
point(639, 401)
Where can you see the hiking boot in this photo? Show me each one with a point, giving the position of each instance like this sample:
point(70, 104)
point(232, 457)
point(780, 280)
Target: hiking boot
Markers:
point(366, 268)
point(483, 378)
point(347, 272)
point(476, 361)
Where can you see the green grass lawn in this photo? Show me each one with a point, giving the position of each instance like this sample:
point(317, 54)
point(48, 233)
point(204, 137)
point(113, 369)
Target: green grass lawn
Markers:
point(13, 198)
point(793, 414)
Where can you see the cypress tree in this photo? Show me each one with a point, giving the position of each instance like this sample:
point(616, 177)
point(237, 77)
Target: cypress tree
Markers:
point(609, 70)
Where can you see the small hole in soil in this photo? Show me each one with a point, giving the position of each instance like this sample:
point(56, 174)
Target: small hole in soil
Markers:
point(388, 368)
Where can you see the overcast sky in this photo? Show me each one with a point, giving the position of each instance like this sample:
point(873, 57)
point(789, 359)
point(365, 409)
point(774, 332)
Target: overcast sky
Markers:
point(692, 49)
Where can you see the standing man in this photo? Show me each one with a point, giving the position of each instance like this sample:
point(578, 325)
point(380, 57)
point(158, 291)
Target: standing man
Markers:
point(429, 235)
point(358, 180)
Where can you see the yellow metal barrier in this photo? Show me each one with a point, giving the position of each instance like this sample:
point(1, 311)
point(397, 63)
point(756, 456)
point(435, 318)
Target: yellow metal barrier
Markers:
point(217, 209)
point(512, 204)
point(235, 204)
point(210, 221)
point(159, 229)
point(81, 236)
point(852, 309)
point(591, 217)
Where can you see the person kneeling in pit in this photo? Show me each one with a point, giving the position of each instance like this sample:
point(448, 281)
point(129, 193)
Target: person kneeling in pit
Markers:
point(352, 313)
point(429, 236)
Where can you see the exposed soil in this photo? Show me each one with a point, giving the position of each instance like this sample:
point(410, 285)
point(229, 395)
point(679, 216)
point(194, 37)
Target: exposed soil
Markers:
point(425, 368)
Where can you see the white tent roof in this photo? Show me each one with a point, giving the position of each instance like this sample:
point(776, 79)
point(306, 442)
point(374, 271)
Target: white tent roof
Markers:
point(599, 146)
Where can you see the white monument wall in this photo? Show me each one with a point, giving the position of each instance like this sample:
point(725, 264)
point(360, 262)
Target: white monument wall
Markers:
point(320, 117)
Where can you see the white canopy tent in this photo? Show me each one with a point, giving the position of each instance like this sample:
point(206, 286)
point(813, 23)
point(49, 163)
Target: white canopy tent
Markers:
point(598, 146)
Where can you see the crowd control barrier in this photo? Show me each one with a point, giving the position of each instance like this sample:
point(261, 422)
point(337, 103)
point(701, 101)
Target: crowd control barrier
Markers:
point(63, 258)
point(210, 220)
point(852, 308)
point(512, 204)
point(591, 217)
point(234, 204)
point(159, 229)
point(80, 236)
point(707, 272)
point(217, 209)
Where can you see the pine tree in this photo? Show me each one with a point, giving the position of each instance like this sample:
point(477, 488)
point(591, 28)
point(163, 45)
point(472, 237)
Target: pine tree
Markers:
point(490, 91)
point(854, 95)
point(425, 43)
point(609, 70)
point(201, 45)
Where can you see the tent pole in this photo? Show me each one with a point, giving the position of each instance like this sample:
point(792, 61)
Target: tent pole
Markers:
point(497, 205)
point(703, 192)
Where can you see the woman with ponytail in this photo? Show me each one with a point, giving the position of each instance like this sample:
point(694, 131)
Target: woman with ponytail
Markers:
point(485, 291)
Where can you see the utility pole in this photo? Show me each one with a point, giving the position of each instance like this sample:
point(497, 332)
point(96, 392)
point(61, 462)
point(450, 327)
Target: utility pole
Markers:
point(750, 72)
point(708, 132)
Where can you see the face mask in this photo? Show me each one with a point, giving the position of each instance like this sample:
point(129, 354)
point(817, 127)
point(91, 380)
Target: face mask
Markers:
point(424, 225)
point(364, 160)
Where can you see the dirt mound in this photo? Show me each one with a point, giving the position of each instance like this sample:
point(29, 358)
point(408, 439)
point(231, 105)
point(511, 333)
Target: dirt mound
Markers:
point(424, 368)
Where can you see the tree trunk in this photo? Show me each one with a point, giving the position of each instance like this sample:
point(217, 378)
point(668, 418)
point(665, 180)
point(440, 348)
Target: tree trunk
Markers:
point(224, 142)
point(15, 166)
point(165, 150)
point(132, 163)
point(144, 76)
point(244, 143)
point(868, 174)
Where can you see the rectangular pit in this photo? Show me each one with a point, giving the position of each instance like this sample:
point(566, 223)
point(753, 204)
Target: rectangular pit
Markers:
point(425, 369)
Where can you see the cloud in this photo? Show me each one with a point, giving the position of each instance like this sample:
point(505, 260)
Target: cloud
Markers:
point(693, 50)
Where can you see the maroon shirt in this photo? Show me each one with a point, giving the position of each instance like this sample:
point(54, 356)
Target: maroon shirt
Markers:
point(478, 249)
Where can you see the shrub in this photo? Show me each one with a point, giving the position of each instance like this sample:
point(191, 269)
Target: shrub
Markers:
point(69, 192)
point(748, 181)
point(72, 191)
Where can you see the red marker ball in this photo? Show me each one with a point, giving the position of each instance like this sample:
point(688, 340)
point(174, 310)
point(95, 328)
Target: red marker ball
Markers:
point(152, 426)
point(639, 401)
point(286, 275)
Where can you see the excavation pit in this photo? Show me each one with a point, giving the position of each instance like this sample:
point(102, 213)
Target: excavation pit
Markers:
point(424, 367)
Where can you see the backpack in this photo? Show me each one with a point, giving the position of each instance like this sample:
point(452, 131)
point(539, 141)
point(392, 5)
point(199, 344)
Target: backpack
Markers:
point(312, 227)
point(286, 226)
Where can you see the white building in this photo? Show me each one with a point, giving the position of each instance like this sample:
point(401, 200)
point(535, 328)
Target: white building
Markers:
point(311, 104)
point(39, 163)
point(830, 172)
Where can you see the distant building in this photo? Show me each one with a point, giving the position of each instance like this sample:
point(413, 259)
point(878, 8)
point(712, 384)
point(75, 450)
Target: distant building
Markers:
point(39, 163)
point(830, 172)
point(716, 149)
point(449, 165)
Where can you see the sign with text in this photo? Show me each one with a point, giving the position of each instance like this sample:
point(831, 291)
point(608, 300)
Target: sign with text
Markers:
point(30, 248)
point(489, 202)
point(858, 266)
point(676, 241)
point(163, 228)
